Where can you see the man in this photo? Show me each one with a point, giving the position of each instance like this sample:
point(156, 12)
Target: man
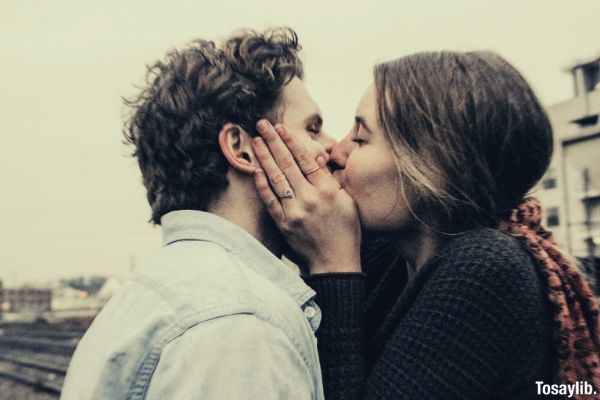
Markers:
point(214, 314)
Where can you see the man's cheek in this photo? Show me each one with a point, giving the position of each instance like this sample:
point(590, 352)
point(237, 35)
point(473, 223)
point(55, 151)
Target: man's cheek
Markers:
point(311, 145)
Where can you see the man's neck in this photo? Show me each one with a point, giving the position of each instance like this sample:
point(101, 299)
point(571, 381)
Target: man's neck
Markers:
point(251, 217)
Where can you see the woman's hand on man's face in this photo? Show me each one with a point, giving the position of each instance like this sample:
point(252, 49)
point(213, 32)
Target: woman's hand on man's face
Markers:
point(318, 219)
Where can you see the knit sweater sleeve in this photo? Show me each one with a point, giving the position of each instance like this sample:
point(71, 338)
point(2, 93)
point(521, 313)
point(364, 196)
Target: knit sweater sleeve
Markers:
point(341, 297)
point(474, 319)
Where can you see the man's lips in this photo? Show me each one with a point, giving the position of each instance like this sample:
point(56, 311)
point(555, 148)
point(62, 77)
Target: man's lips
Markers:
point(332, 167)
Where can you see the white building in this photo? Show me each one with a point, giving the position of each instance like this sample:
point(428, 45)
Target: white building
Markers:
point(570, 190)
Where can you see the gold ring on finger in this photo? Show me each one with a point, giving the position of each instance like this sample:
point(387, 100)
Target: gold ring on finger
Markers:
point(312, 171)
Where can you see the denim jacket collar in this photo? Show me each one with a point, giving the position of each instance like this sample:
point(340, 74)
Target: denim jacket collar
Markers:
point(198, 225)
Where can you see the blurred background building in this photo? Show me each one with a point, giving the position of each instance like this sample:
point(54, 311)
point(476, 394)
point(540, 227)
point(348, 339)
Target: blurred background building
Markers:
point(570, 190)
point(24, 299)
point(56, 300)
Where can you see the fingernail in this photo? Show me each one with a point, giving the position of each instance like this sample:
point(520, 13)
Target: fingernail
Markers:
point(258, 171)
point(257, 141)
point(262, 125)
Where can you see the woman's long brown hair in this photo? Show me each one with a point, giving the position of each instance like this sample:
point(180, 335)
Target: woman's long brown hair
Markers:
point(471, 140)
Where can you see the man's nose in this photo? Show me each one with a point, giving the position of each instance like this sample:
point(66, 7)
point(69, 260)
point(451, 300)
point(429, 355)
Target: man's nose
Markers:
point(327, 143)
point(340, 152)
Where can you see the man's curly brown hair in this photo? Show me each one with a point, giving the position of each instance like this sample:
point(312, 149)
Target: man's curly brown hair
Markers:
point(175, 120)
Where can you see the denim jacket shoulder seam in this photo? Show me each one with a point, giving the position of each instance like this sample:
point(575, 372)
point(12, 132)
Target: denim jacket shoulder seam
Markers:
point(143, 374)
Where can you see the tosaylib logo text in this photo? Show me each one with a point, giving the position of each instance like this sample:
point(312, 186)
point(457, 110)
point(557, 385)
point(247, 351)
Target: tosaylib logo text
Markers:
point(570, 390)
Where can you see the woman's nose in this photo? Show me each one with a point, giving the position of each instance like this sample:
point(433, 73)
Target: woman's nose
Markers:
point(341, 151)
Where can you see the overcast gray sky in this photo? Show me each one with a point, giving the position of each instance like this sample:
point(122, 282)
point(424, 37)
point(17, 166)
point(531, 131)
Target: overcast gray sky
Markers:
point(72, 202)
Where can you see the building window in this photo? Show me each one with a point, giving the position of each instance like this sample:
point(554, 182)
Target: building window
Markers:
point(552, 218)
point(591, 76)
point(549, 181)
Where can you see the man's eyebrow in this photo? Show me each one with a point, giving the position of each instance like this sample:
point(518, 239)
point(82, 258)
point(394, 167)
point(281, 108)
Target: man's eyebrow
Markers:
point(361, 121)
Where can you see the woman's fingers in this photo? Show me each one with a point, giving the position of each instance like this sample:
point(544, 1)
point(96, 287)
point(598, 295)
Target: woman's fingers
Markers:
point(281, 155)
point(269, 198)
point(306, 161)
point(279, 182)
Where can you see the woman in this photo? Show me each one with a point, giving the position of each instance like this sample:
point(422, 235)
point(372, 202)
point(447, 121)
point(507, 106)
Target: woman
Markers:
point(444, 149)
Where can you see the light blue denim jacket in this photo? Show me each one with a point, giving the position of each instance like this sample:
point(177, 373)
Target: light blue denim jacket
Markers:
point(213, 315)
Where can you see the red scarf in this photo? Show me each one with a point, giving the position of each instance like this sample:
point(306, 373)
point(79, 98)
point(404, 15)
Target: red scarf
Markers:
point(575, 315)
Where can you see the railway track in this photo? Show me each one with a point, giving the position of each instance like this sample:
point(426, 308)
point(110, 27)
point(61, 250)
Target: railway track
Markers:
point(44, 334)
point(38, 376)
point(35, 364)
point(61, 347)
point(35, 359)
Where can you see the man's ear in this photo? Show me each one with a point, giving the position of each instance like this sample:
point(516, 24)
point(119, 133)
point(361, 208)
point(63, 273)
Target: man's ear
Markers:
point(236, 146)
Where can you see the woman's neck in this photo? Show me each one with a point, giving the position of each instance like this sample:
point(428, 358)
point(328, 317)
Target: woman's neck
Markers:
point(417, 247)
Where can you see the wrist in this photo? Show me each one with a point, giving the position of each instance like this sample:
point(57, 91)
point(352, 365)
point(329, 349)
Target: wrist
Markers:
point(337, 267)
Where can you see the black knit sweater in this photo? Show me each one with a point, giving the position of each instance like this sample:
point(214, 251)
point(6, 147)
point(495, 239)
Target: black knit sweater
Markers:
point(473, 323)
